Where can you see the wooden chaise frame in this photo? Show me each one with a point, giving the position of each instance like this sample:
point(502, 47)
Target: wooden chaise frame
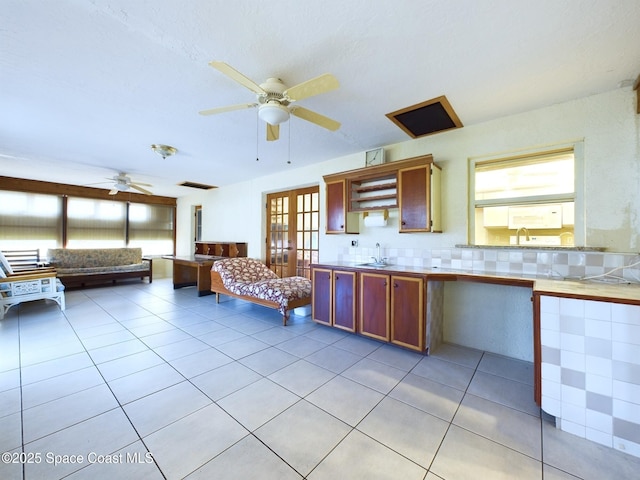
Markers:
point(218, 287)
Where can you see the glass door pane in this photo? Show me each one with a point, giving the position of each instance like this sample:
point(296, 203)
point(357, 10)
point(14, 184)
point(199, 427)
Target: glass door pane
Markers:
point(292, 231)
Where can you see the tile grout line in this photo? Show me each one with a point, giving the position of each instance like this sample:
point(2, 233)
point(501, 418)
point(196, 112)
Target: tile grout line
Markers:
point(21, 399)
point(454, 415)
point(269, 345)
point(120, 406)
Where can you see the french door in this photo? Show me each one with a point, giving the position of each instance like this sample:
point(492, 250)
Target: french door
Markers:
point(293, 224)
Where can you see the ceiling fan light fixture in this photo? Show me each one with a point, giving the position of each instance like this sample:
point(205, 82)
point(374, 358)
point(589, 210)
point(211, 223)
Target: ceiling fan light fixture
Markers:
point(163, 150)
point(273, 113)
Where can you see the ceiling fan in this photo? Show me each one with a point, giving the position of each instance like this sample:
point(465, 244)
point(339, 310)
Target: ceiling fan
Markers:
point(123, 183)
point(274, 99)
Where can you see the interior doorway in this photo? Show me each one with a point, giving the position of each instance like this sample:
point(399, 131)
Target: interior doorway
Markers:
point(293, 223)
point(197, 223)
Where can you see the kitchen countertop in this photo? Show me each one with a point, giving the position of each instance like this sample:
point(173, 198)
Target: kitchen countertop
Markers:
point(615, 292)
point(602, 291)
point(564, 248)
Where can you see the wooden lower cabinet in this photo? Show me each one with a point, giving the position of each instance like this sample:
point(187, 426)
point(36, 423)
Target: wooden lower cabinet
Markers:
point(387, 307)
point(321, 295)
point(344, 300)
point(392, 309)
point(374, 305)
point(333, 298)
point(407, 312)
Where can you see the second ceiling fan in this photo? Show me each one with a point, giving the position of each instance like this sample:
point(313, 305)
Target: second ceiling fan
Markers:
point(274, 99)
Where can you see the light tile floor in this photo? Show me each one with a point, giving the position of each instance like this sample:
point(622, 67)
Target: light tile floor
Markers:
point(143, 381)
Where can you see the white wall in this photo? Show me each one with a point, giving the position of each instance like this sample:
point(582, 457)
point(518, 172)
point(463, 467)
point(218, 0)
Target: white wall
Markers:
point(606, 123)
point(472, 321)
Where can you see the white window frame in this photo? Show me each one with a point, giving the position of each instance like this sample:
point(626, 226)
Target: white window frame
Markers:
point(577, 147)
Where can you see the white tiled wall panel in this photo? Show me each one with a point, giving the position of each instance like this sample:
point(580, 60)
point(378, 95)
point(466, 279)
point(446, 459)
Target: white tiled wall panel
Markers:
point(599, 352)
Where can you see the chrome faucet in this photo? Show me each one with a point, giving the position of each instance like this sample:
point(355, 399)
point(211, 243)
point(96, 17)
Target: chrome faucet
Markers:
point(379, 260)
point(526, 233)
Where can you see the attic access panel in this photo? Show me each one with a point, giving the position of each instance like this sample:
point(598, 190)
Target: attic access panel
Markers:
point(426, 118)
point(201, 186)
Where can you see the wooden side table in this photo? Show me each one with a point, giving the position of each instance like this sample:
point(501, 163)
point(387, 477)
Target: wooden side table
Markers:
point(193, 270)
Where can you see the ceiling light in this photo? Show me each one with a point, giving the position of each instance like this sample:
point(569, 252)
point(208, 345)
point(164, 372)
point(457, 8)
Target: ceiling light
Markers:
point(273, 113)
point(163, 150)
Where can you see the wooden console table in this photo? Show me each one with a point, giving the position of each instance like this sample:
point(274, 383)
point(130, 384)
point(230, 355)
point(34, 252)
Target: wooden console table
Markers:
point(193, 270)
point(221, 249)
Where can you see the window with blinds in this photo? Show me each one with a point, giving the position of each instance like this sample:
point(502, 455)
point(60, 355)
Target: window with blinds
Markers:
point(528, 199)
point(151, 228)
point(30, 221)
point(95, 223)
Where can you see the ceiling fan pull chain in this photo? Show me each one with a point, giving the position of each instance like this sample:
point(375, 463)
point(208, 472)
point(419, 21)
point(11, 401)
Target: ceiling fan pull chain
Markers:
point(257, 135)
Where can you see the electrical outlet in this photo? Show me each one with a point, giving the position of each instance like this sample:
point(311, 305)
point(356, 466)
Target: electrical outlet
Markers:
point(354, 243)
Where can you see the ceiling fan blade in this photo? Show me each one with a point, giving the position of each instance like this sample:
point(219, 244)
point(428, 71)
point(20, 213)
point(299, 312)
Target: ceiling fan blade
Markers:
point(232, 73)
point(315, 86)
point(313, 117)
point(113, 191)
point(229, 108)
point(273, 132)
point(140, 189)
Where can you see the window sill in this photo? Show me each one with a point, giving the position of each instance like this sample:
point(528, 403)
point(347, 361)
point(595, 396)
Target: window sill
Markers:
point(535, 247)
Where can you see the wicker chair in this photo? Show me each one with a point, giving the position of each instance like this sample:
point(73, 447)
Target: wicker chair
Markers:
point(27, 285)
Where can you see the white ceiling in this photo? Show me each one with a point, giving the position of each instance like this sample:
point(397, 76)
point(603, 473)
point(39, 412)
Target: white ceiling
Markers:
point(86, 86)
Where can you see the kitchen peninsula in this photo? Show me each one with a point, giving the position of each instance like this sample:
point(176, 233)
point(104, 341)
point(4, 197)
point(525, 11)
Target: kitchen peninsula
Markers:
point(580, 330)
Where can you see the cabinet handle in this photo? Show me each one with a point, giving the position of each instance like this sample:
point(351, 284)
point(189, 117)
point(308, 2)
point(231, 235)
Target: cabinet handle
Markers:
point(404, 223)
point(341, 226)
point(395, 285)
point(384, 284)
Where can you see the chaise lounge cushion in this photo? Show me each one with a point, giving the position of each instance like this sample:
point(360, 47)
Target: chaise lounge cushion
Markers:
point(252, 278)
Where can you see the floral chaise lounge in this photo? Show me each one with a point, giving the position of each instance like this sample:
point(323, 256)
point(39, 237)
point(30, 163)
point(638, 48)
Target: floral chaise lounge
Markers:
point(250, 279)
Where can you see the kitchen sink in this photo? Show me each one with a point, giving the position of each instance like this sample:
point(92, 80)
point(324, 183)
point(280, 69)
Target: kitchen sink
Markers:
point(373, 265)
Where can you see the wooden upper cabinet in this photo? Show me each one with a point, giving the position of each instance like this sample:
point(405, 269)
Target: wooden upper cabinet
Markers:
point(419, 199)
point(411, 185)
point(338, 219)
point(413, 190)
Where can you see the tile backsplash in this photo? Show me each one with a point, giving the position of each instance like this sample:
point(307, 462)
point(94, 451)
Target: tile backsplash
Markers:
point(548, 263)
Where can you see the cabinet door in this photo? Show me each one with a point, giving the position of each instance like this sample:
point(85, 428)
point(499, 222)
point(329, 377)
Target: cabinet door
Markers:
point(339, 220)
point(321, 295)
point(344, 300)
point(407, 312)
point(336, 211)
point(374, 305)
point(413, 199)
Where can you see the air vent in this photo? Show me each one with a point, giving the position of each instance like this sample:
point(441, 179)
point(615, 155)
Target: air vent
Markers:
point(200, 186)
point(426, 118)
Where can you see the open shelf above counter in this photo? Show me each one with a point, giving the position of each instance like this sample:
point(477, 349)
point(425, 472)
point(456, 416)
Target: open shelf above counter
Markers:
point(377, 194)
